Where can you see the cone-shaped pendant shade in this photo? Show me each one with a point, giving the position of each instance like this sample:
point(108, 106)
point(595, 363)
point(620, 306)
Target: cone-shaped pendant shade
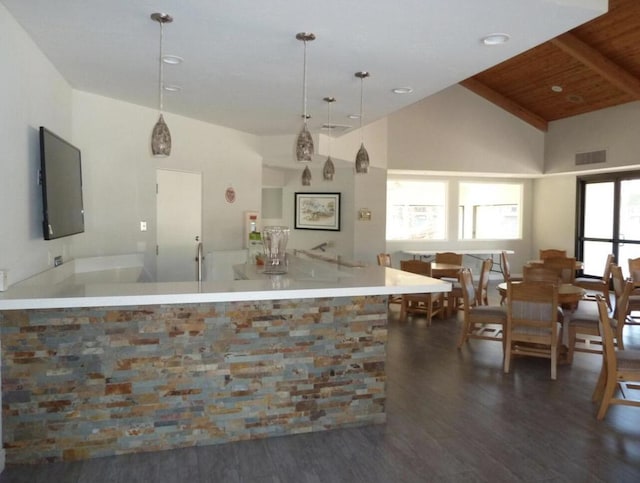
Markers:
point(304, 145)
point(306, 176)
point(328, 170)
point(362, 160)
point(161, 139)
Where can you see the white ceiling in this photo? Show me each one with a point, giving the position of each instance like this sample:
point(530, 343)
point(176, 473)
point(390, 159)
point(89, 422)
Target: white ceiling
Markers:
point(243, 66)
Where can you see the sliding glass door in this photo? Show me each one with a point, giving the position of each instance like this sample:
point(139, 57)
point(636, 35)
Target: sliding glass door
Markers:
point(608, 220)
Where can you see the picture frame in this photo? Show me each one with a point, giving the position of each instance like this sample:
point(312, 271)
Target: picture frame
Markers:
point(317, 211)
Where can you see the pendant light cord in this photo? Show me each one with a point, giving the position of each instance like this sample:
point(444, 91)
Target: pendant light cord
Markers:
point(361, 97)
point(329, 127)
point(161, 70)
point(304, 84)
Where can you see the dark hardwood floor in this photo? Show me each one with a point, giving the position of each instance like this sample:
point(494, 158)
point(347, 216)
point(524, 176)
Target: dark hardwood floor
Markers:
point(452, 416)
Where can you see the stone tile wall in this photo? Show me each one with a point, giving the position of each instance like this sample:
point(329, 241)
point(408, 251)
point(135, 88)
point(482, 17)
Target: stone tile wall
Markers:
point(83, 383)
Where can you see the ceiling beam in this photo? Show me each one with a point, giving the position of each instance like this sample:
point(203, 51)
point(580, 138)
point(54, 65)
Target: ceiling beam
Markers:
point(505, 103)
point(593, 59)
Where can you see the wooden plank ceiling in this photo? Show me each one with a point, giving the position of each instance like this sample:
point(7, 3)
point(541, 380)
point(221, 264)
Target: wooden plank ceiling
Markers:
point(597, 65)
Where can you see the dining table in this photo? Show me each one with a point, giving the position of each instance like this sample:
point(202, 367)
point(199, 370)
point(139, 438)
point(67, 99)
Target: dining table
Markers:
point(568, 294)
point(579, 263)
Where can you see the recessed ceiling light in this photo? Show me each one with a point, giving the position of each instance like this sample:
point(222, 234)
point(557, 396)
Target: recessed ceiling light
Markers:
point(354, 116)
point(402, 90)
point(575, 98)
point(556, 88)
point(172, 59)
point(495, 39)
point(172, 88)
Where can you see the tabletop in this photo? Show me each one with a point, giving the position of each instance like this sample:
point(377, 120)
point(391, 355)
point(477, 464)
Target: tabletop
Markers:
point(567, 293)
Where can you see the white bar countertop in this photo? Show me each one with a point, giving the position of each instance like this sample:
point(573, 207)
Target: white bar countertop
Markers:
point(486, 251)
point(305, 279)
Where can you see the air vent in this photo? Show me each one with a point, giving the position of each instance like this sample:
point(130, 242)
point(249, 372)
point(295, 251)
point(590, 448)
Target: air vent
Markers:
point(336, 128)
point(593, 157)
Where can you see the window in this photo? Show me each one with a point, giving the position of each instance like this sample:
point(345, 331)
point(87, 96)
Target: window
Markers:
point(490, 211)
point(608, 219)
point(416, 210)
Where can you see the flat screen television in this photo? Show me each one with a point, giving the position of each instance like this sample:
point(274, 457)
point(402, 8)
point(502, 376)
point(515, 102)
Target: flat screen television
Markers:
point(61, 180)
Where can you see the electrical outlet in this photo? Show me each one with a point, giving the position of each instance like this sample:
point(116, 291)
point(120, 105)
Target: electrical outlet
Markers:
point(143, 226)
point(57, 261)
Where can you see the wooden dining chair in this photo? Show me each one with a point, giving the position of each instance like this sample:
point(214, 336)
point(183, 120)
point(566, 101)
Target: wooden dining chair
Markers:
point(565, 267)
point(448, 257)
point(428, 304)
point(584, 333)
point(532, 322)
point(480, 321)
point(620, 369)
point(539, 273)
point(506, 273)
point(384, 260)
point(552, 253)
point(598, 286)
point(454, 297)
point(634, 299)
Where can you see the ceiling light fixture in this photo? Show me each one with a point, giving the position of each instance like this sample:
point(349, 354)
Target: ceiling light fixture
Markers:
point(495, 39)
point(402, 90)
point(329, 169)
point(304, 143)
point(362, 158)
point(172, 88)
point(172, 59)
point(160, 136)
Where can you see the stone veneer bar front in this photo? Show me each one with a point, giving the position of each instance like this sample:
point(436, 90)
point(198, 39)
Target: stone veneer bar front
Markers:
point(88, 382)
point(95, 369)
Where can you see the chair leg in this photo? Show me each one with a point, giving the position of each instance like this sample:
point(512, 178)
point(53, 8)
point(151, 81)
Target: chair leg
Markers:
point(619, 339)
point(554, 362)
point(507, 355)
point(600, 385)
point(572, 344)
point(403, 310)
point(464, 334)
point(609, 390)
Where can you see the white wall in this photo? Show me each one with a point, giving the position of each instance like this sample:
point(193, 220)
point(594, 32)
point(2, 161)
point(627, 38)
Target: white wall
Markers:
point(120, 174)
point(32, 94)
point(554, 209)
point(457, 131)
point(614, 129)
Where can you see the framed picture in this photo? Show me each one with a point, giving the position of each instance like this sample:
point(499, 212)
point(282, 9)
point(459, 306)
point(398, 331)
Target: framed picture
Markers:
point(317, 211)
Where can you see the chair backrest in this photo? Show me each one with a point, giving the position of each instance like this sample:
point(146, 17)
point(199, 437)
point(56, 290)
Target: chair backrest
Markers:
point(618, 279)
point(506, 268)
point(564, 267)
point(449, 257)
point(634, 269)
point(552, 253)
point(539, 273)
point(416, 266)
point(606, 275)
point(532, 304)
point(384, 260)
point(606, 332)
point(622, 304)
point(483, 283)
point(469, 298)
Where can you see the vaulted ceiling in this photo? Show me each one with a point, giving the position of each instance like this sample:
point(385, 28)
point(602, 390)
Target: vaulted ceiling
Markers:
point(591, 67)
point(243, 65)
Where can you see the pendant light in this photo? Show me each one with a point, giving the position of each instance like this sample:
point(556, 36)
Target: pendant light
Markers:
point(306, 176)
point(329, 169)
point(304, 143)
point(160, 136)
point(362, 158)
